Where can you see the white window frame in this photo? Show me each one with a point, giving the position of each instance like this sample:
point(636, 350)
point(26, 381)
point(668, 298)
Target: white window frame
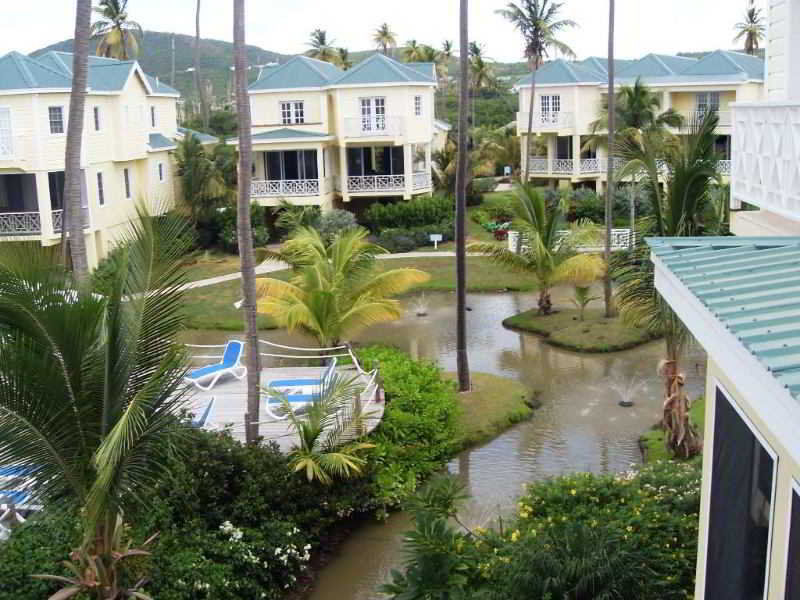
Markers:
point(153, 117)
point(50, 121)
point(373, 113)
point(418, 105)
point(101, 189)
point(286, 112)
point(299, 111)
point(162, 172)
point(707, 101)
point(794, 488)
point(544, 104)
point(555, 103)
point(96, 118)
point(706, 504)
point(127, 184)
point(7, 133)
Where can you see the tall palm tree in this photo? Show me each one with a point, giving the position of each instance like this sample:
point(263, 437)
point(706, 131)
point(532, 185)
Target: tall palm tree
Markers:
point(72, 159)
point(538, 22)
point(343, 58)
point(445, 56)
point(385, 38)
point(321, 47)
point(428, 54)
point(481, 75)
point(411, 52)
point(118, 34)
point(336, 288)
point(752, 29)
point(202, 183)
point(689, 183)
point(243, 225)
point(198, 81)
point(462, 179)
point(92, 384)
point(610, 183)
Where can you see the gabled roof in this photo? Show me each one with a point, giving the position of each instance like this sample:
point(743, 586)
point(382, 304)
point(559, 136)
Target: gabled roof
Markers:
point(20, 72)
point(299, 72)
point(285, 133)
point(656, 65)
point(751, 286)
point(379, 68)
point(158, 142)
point(564, 72)
point(204, 138)
point(599, 64)
point(723, 62)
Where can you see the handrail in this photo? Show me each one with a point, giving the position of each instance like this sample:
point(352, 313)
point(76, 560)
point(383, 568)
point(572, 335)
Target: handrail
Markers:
point(268, 343)
point(301, 357)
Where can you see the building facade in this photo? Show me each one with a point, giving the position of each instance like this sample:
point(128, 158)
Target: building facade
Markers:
point(325, 137)
point(570, 97)
point(129, 130)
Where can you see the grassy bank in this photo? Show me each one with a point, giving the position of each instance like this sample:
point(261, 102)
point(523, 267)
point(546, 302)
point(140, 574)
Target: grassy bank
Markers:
point(494, 404)
point(652, 442)
point(595, 333)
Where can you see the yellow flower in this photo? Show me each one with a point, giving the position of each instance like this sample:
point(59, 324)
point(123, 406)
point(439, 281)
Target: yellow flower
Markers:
point(515, 536)
point(573, 491)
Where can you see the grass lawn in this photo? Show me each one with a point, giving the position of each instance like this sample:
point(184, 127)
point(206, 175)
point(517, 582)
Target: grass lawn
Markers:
point(494, 404)
point(594, 334)
point(652, 442)
point(211, 264)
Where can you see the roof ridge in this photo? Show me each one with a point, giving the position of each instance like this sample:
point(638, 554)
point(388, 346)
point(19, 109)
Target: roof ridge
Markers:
point(27, 76)
point(730, 60)
point(661, 62)
point(311, 65)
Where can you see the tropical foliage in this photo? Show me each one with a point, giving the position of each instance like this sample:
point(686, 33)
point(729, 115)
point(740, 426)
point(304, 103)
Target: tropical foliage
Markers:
point(322, 48)
point(582, 270)
point(203, 185)
point(336, 288)
point(752, 30)
point(117, 33)
point(385, 38)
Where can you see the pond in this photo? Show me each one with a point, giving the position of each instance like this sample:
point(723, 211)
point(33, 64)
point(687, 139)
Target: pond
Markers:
point(579, 426)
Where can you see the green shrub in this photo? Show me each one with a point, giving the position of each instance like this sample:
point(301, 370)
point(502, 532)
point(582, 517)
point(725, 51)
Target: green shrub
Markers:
point(225, 222)
point(335, 221)
point(398, 240)
point(484, 185)
point(499, 208)
point(408, 214)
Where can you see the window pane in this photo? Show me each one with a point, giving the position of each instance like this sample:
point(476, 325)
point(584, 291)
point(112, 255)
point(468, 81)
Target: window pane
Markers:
point(741, 503)
point(299, 112)
point(793, 567)
point(310, 164)
point(355, 161)
point(286, 113)
point(101, 198)
point(56, 116)
point(97, 118)
point(290, 164)
point(398, 161)
point(127, 177)
point(274, 165)
point(55, 181)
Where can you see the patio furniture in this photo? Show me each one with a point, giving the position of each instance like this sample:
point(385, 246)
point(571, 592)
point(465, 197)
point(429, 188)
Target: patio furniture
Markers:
point(329, 372)
point(229, 365)
point(202, 421)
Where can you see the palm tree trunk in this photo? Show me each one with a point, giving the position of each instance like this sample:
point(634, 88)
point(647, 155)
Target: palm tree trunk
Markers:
point(534, 61)
point(198, 82)
point(172, 71)
point(72, 160)
point(610, 173)
point(461, 209)
point(243, 226)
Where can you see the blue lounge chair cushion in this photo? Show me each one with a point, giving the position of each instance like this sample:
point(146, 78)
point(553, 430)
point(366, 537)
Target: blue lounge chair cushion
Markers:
point(302, 382)
point(15, 496)
point(295, 398)
point(15, 471)
point(230, 358)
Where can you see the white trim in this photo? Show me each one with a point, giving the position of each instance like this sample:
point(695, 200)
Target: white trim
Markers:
point(287, 90)
point(29, 91)
point(794, 488)
point(10, 133)
point(380, 85)
point(310, 140)
point(706, 507)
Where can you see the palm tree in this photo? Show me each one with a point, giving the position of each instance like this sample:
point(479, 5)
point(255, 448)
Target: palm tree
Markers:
point(93, 385)
point(321, 47)
point(202, 184)
point(481, 74)
point(328, 432)
point(752, 29)
point(336, 288)
point(343, 58)
point(198, 81)
point(243, 225)
point(582, 270)
point(462, 180)
point(412, 51)
point(117, 33)
point(72, 159)
point(501, 147)
point(385, 38)
point(428, 54)
point(610, 183)
point(445, 56)
point(544, 252)
point(690, 180)
point(538, 22)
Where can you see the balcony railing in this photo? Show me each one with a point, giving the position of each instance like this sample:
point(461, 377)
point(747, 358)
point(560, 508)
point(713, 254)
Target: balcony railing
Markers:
point(58, 219)
point(21, 223)
point(271, 188)
point(597, 166)
point(376, 183)
point(694, 116)
point(373, 126)
point(421, 180)
point(563, 165)
point(592, 165)
point(546, 121)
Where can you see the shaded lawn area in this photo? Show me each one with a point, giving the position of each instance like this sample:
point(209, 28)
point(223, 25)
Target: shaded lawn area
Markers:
point(594, 334)
point(494, 404)
point(652, 442)
point(211, 264)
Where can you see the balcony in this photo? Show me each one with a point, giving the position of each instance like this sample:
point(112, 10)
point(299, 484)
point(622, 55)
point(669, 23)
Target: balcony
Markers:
point(541, 165)
point(421, 181)
point(275, 188)
point(766, 166)
point(30, 223)
point(693, 116)
point(373, 126)
point(546, 121)
point(376, 183)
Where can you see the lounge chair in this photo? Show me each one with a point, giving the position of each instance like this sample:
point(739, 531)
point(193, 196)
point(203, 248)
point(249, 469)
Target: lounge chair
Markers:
point(203, 420)
point(21, 499)
point(286, 383)
point(229, 365)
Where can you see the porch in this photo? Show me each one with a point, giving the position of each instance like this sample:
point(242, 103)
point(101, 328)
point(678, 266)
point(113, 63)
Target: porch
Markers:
point(291, 173)
point(20, 195)
point(375, 170)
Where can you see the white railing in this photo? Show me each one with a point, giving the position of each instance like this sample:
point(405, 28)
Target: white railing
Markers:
point(373, 126)
point(58, 219)
point(694, 116)
point(620, 240)
point(563, 165)
point(539, 164)
point(262, 188)
point(6, 147)
point(422, 180)
point(376, 183)
point(546, 121)
point(592, 165)
point(22, 223)
point(724, 167)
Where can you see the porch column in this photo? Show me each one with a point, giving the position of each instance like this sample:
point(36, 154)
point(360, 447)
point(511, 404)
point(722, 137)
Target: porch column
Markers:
point(523, 145)
point(44, 204)
point(429, 162)
point(343, 173)
point(408, 169)
point(576, 155)
point(321, 173)
point(552, 151)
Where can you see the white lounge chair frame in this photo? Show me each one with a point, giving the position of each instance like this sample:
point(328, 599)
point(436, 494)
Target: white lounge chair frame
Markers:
point(238, 370)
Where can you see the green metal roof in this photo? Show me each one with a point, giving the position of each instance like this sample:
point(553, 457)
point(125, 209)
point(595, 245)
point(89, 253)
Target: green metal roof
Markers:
point(20, 72)
point(752, 287)
point(564, 72)
point(723, 62)
point(299, 72)
point(160, 142)
point(379, 68)
point(204, 138)
point(285, 133)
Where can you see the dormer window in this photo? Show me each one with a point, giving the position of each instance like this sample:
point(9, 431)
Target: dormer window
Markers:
point(293, 112)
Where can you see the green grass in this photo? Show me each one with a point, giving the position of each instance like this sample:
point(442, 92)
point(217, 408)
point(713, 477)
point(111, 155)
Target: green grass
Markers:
point(494, 404)
point(205, 265)
point(594, 334)
point(652, 442)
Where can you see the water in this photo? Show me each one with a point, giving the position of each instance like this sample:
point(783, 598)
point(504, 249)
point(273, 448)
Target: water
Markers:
point(579, 427)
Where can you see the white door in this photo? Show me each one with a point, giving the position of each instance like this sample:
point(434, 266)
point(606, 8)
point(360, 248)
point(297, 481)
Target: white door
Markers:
point(6, 147)
point(373, 114)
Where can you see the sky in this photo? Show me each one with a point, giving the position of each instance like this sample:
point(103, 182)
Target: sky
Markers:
point(663, 26)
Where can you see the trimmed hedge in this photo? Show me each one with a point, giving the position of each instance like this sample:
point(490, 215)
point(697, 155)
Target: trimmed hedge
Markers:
point(425, 211)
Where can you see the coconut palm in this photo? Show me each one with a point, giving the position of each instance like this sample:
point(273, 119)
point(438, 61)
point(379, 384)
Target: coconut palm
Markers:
point(539, 23)
point(544, 252)
point(385, 38)
point(116, 32)
point(336, 288)
point(92, 384)
point(481, 75)
point(199, 88)
point(501, 147)
point(321, 47)
point(428, 54)
point(202, 184)
point(343, 58)
point(243, 225)
point(752, 30)
point(411, 52)
point(72, 161)
point(328, 432)
point(582, 270)
point(445, 56)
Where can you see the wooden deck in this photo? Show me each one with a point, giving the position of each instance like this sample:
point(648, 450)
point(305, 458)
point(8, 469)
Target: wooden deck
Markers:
point(231, 403)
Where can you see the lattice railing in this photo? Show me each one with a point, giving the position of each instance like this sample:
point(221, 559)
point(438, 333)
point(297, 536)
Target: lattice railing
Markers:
point(563, 165)
point(22, 223)
point(58, 219)
point(284, 187)
point(539, 164)
point(592, 165)
point(376, 183)
point(546, 120)
point(620, 240)
point(372, 126)
point(422, 180)
point(724, 167)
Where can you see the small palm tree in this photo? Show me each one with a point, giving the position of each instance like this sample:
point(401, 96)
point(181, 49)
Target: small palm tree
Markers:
point(428, 54)
point(385, 38)
point(752, 30)
point(336, 288)
point(582, 270)
point(328, 432)
point(202, 184)
point(343, 58)
point(412, 51)
point(321, 47)
point(117, 33)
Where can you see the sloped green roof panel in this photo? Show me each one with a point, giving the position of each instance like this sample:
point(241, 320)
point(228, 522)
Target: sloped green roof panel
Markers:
point(657, 65)
point(733, 64)
point(159, 87)
point(563, 72)
point(752, 287)
point(110, 77)
point(286, 133)
point(204, 138)
point(20, 72)
point(382, 69)
point(299, 72)
point(157, 141)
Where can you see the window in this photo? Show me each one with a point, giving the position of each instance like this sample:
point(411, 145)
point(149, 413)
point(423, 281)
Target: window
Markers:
point(707, 101)
point(418, 106)
point(126, 175)
point(299, 112)
point(291, 165)
point(152, 116)
point(293, 112)
point(793, 564)
point(161, 172)
point(96, 114)
point(742, 476)
point(6, 144)
point(373, 114)
point(555, 103)
point(101, 196)
point(286, 113)
point(545, 102)
point(56, 116)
